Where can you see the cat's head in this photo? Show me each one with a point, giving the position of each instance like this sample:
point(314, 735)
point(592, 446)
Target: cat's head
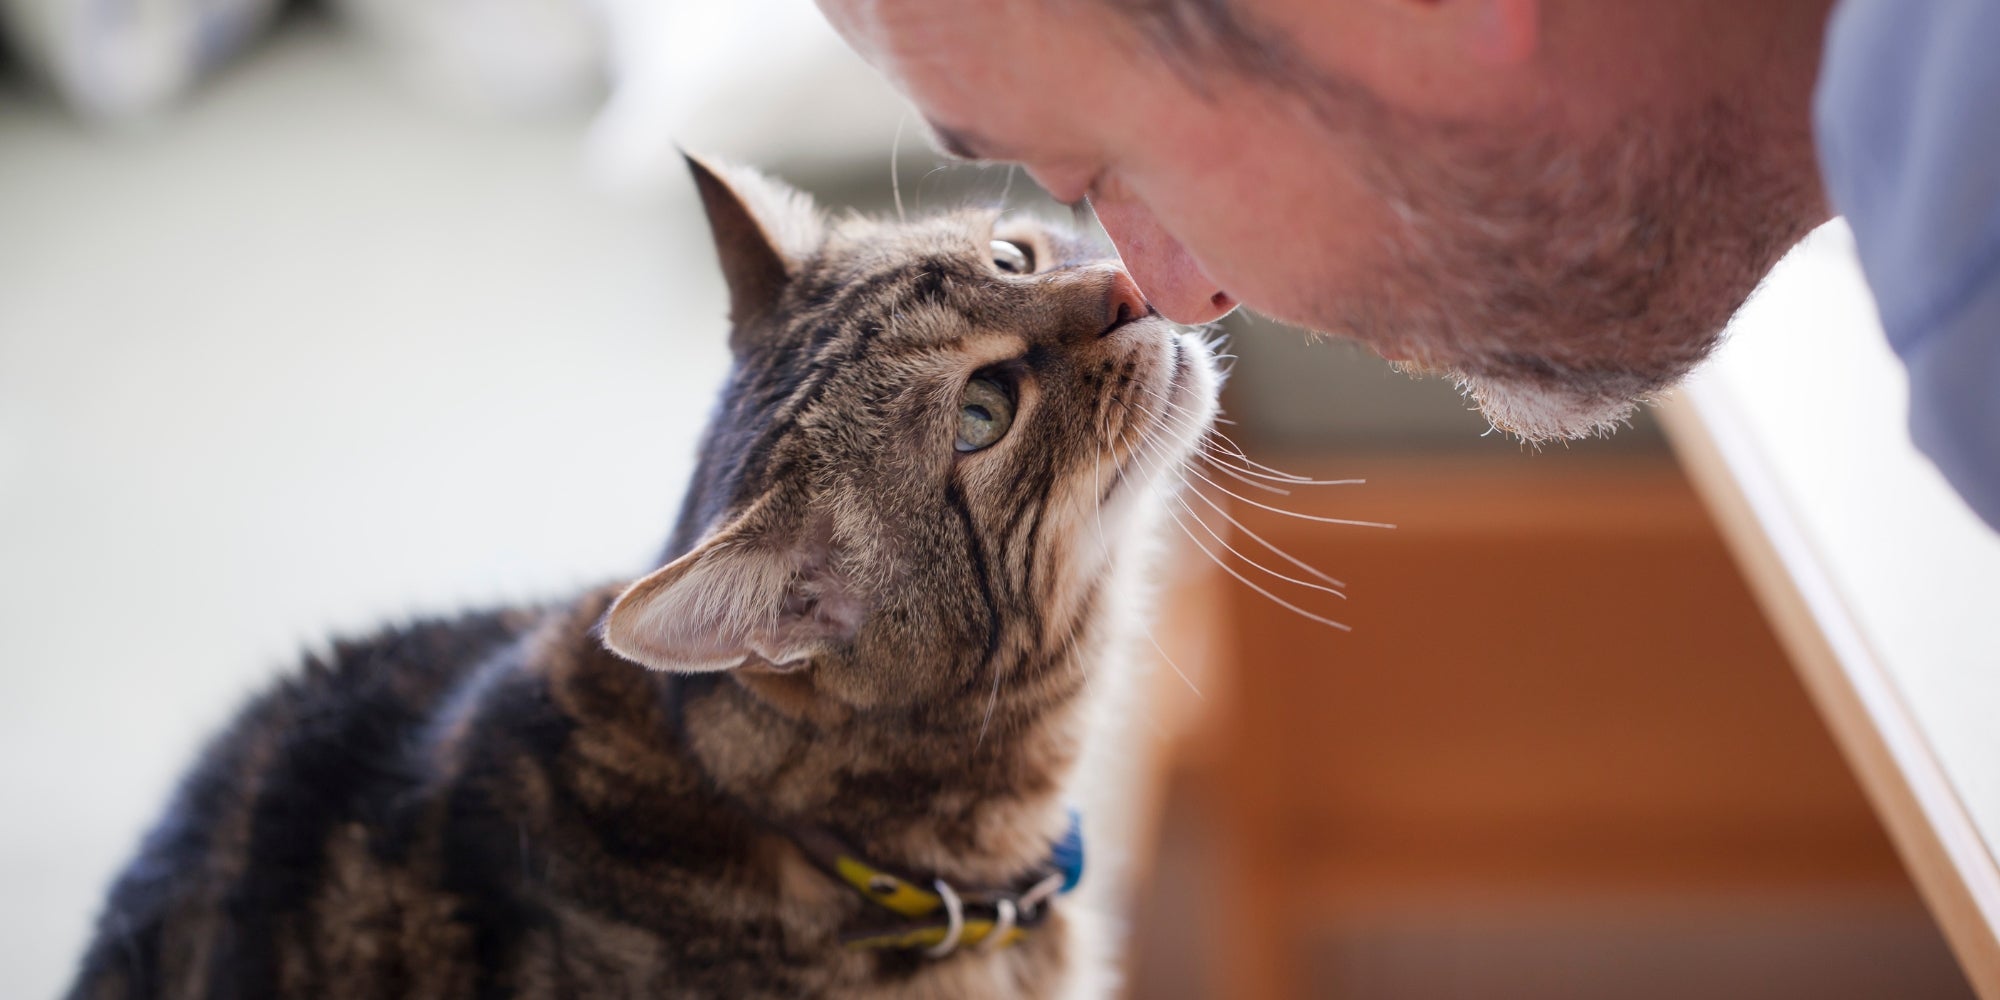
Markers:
point(934, 443)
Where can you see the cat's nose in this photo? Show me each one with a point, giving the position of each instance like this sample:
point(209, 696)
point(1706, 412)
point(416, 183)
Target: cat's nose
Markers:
point(1123, 302)
point(1177, 283)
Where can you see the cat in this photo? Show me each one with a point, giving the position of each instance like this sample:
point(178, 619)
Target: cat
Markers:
point(821, 751)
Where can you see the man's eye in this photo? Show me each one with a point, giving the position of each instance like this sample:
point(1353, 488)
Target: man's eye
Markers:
point(1011, 257)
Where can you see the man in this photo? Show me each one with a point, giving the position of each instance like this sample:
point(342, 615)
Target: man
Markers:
point(1559, 202)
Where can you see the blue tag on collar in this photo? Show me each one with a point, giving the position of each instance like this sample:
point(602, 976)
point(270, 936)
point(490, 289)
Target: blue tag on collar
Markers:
point(1067, 855)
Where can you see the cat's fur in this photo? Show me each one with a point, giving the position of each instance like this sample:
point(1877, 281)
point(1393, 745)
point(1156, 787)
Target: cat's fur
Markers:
point(859, 629)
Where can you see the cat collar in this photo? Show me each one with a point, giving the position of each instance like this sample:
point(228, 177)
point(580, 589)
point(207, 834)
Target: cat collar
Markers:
point(935, 916)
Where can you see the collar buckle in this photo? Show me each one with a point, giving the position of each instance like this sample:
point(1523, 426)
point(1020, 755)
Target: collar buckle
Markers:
point(941, 918)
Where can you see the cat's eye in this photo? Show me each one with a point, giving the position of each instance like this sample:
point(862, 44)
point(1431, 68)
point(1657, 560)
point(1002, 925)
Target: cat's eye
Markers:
point(1012, 257)
point(984, 414)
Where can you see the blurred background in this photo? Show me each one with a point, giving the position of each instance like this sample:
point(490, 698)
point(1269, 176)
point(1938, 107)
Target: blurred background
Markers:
point(318, 316)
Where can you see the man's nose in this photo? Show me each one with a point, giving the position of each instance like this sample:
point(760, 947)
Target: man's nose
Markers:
point(1166, 273)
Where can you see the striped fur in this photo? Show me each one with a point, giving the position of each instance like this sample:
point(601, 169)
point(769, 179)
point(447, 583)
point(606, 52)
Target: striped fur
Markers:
point(892, 644)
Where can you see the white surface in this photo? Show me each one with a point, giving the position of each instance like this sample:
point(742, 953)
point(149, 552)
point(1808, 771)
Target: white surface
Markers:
point(303, 357)
point(1823, 401)
point(763, 81)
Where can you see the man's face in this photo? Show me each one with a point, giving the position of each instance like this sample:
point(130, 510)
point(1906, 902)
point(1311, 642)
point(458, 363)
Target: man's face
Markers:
point(1452, 214)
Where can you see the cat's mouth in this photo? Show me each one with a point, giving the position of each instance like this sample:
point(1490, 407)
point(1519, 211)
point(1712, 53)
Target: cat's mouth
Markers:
point(1181, 409)
point(1187, 404)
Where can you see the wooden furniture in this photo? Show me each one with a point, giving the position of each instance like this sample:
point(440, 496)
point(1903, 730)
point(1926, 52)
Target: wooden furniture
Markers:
point(1883, 587)
point(1556, 685)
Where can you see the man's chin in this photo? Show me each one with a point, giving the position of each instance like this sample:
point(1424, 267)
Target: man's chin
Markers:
point(1545, 408)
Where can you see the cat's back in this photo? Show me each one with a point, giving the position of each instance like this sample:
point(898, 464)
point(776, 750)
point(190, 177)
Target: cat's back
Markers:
point(336, 746)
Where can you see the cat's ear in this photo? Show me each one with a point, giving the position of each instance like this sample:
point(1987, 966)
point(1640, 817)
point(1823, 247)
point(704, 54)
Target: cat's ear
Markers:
point(750, 593)
point(763, 232)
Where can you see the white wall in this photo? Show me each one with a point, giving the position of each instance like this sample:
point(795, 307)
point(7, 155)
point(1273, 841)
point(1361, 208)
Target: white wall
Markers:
point(303, 357)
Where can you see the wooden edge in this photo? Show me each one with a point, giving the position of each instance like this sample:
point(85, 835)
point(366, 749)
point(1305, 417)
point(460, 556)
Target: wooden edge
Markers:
point(1857, 696)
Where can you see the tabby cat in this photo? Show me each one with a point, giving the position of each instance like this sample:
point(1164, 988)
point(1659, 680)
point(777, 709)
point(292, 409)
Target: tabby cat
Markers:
point(822, 751)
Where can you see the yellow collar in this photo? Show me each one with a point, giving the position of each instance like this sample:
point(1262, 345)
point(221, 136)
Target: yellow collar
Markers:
point(937, 917)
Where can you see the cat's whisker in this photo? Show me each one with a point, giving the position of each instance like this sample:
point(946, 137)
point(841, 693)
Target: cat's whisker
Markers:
point(992, 702)
point(1178, 409)
point(1259, 539)
point(1104, 547)
point(1218, 460)
point(1258, 468)
point(1075, 498)
point(1246, 581)
point(1211, 457)
point(1175, 667)
point(1215, 437)
point(1251, 467)
point(1232, 550)
point(1214, 452)
point(1097, 508)
point(1218, 455)
point(895, 158)
point(1214, 444)
point(1141, 450)
point(932, 172)
point(1241, 478)
point(1069, 648)
point(1166, 400)
point(1322, 519)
